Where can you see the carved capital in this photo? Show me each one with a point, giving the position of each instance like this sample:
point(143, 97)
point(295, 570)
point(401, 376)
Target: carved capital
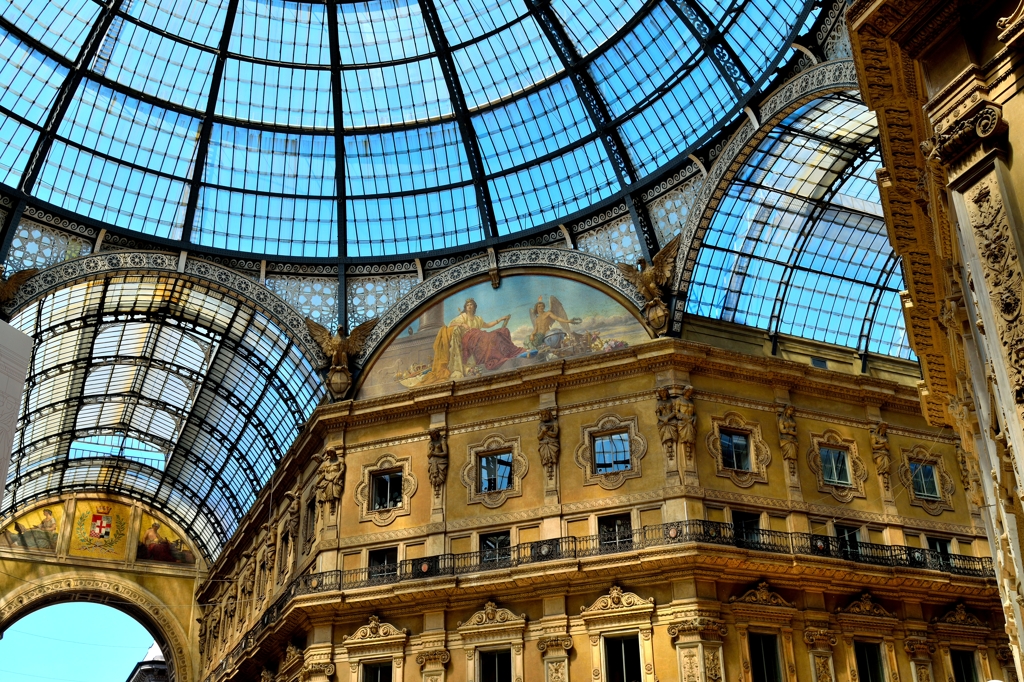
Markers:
point(820, 639)
point(710, 629)
point(554, 644)
point(312, 671)
point(433, 657)
point(919, 648)
point(980, 123)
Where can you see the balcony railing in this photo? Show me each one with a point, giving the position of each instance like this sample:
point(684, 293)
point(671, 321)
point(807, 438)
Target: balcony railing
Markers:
point(676, 533)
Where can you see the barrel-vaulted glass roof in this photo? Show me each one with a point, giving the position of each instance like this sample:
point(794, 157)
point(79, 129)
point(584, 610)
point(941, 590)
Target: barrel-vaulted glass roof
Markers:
point(798, 244)
point(160, 388)
point(341, 128)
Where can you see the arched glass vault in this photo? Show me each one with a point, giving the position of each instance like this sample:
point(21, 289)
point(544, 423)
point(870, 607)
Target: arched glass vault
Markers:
point(798, 245)
point(155, 386)
point(337, 128)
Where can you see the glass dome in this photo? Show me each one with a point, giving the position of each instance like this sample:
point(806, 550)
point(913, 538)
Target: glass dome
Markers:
point(365, 128)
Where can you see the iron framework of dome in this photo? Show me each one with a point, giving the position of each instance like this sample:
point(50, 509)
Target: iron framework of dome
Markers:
point(339, 129)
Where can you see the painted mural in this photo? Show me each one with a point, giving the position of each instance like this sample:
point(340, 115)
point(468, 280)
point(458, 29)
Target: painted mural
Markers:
point(36, 530)
point(99, 529)
point(157, 542)
point(481, 330)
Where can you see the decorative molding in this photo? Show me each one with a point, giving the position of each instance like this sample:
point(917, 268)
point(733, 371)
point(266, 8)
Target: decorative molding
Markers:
point(363, 492)
point(494, 625)
point(864, 606)
point(470, 473)
point(575, 262)
point(761, 595)
point(388, 536)
point(491, 614)
point(855, 465)
point(960, 616)
point(708, 629)
point(609, 424)
point(618, 599)
point(943, 481)
point(760, 453)
point(374, 640)
point(554, 644)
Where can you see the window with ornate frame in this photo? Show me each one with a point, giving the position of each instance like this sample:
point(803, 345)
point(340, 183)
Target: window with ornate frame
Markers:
point(371, 645)
point(498, 458)
point(932, 491)
point(617, 615)
point(837, 465)
point(493, 629)
point(603, 466)
point(400, 489)
point(758, 452)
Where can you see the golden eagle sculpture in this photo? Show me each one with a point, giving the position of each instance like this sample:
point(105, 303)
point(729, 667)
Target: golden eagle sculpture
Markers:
point(9, 287)
point(338, 347)
point(650, 280)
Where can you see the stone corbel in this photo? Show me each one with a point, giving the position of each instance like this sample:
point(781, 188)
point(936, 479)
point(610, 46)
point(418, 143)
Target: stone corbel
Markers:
point(979, 122)
point(1011, 27)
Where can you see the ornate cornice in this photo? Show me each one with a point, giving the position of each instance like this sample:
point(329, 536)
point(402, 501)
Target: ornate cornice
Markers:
point(863, 606)
point(960, 616)
point(761, 595)
point(617, 599)
point(374, 630)
point(492, 614)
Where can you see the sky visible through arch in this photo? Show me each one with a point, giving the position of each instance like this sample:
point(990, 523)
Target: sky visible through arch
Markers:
point(75, 642)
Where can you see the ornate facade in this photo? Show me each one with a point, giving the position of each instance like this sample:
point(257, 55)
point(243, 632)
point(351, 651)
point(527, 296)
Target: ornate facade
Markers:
point(942, 78)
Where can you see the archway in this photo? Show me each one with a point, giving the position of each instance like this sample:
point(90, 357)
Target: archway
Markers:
point(106, 588)
point(79, 641)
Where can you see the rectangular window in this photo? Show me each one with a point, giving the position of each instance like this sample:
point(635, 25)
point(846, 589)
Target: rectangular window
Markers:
point(622, 659)
point(496, 666)
point(611, 453)
point(764, 658)
point(495, 547)
point(869, 661)
point(963, 666)
point(377, 672)
point(923, 477)
point(495, 472)
point(820, 363)
point(615, 533)
point(746, 526)
point(848, 539)
point(940, 545)
point(383, 563)
point(735, 450)
point(834, 466)
point(387, 490)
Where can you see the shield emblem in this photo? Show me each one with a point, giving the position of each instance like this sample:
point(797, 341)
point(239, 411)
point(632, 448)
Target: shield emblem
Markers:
point(100, 528)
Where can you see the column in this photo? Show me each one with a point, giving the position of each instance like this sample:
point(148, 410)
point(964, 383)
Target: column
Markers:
point(699, 649)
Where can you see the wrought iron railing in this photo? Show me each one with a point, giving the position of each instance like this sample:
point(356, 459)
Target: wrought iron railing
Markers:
point(675, 533)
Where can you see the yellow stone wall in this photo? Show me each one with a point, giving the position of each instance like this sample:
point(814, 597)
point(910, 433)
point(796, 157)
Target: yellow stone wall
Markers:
point(315, 614)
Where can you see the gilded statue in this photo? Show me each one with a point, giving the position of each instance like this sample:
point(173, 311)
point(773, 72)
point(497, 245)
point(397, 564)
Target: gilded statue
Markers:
point(548, 445)
point(330, 482)
point(651, 280)
point(338, 348)
point(880, 451)
point(787, 435)
point(437, 460)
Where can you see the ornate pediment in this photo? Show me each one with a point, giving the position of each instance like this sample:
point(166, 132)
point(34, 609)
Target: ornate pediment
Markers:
point(761, 595)
point(617, 599)
point(865, 607)
point(492, 614)
point(961, 617)
point(375, 630)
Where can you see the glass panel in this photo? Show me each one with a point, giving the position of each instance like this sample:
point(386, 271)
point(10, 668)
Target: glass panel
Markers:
point(276, 95)
point(61, 25)
point(277, 31)
point(833, 466)
point(496, 666)
point(622, 659)
point(869, 661)
point(612, 453)
point(14, 155)
point(512, 60)
point(413, 222)
point(271, 162)
point(963, 666)
point(495, 472)
point(29, 81)
point(735, 450)
point(592, 22)
point(200, 21)
point(405, 160)
point(389, 95)
point(764, 658)
point(464, 20)
point(381, 31)
point(387, 490)
point(923, 478)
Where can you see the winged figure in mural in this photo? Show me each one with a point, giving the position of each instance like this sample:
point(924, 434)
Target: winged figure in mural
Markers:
point(650, 280)
point(543, 320)
point(338, 347)
point(9, 287)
